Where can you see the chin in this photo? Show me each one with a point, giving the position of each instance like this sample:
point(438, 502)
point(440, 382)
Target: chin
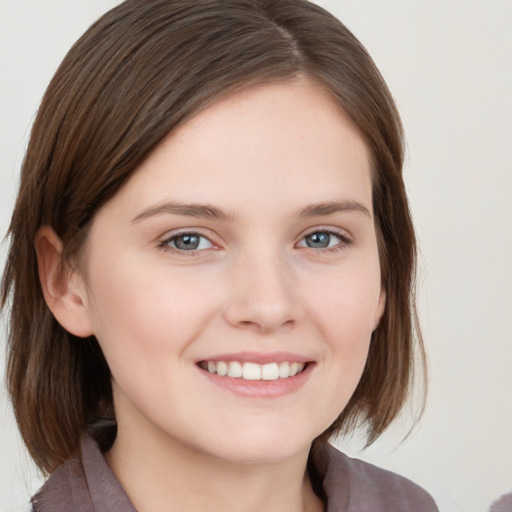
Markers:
point(262, 446)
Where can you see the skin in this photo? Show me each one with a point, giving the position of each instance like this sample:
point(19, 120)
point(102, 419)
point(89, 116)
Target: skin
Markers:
point(253, 284)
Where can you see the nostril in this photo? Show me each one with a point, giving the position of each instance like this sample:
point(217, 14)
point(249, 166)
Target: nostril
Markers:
point(263, 304)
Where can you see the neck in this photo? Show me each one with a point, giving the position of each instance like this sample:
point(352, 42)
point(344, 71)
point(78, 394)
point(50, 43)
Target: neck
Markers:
point(159, 474)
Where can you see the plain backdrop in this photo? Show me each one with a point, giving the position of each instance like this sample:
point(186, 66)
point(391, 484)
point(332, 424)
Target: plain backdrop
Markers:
point(449, 66)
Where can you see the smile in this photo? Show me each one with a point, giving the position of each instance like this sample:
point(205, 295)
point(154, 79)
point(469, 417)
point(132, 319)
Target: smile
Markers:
point(253, 371)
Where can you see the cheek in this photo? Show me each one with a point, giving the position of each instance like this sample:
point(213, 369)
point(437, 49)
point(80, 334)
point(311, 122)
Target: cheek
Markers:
point(345, 310)
point(347, 302)
point(140, 315)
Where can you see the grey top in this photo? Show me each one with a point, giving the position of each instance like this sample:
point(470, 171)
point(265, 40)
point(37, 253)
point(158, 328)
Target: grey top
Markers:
point(87, 484)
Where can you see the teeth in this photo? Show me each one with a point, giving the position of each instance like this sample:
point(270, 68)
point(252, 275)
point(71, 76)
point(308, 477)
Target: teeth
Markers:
point(270, 371)
point(284, 370)
point(222, 368)
point(234, 369)
point(253, 371)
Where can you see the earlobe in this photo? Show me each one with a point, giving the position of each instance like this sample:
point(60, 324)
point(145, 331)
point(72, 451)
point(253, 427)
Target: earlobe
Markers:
point(63, 289)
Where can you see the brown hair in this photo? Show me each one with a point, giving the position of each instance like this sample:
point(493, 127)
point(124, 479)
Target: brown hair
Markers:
point(140, 71)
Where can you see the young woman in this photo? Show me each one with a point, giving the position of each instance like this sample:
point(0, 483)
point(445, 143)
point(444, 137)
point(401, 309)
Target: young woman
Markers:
point(211, 265)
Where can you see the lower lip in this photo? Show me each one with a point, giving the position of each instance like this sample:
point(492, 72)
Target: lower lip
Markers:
point(261, 388)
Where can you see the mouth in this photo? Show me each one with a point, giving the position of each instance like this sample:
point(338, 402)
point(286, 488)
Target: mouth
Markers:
point(251, 371)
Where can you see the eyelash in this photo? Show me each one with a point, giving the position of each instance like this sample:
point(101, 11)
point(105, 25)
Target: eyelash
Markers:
point(164, 244)
point(345, 242)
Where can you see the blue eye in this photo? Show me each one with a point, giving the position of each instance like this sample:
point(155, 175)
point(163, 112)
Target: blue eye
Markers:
point(187, 242)
point(322, 240)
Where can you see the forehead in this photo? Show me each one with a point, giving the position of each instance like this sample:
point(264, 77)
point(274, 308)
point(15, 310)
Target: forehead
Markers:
point(302, 109)
point(272, 144)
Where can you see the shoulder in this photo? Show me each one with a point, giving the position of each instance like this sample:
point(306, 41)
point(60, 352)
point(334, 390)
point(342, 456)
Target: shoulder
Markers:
point(65, 490)
point(373, 486)
point(353, 485)
point(82, 484)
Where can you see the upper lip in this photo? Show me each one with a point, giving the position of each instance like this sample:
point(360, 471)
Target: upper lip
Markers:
point(260, 357)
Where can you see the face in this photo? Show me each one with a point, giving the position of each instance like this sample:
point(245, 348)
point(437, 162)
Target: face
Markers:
point(233, 283)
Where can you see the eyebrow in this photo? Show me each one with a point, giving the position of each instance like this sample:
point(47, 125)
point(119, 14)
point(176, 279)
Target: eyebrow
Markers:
point(331, 207)
point(206, 211)
point(200, 211)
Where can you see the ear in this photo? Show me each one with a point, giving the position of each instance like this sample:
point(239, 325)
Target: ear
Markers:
point(381, 306)
point(63, 288)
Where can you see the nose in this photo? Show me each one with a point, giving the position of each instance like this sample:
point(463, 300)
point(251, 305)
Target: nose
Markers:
point(262, 295)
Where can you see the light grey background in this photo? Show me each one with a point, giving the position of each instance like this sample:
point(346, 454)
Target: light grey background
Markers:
point(449, 65)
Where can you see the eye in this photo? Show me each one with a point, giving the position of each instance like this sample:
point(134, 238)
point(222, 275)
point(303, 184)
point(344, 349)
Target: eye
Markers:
point(187, 242)
point(323, 240)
